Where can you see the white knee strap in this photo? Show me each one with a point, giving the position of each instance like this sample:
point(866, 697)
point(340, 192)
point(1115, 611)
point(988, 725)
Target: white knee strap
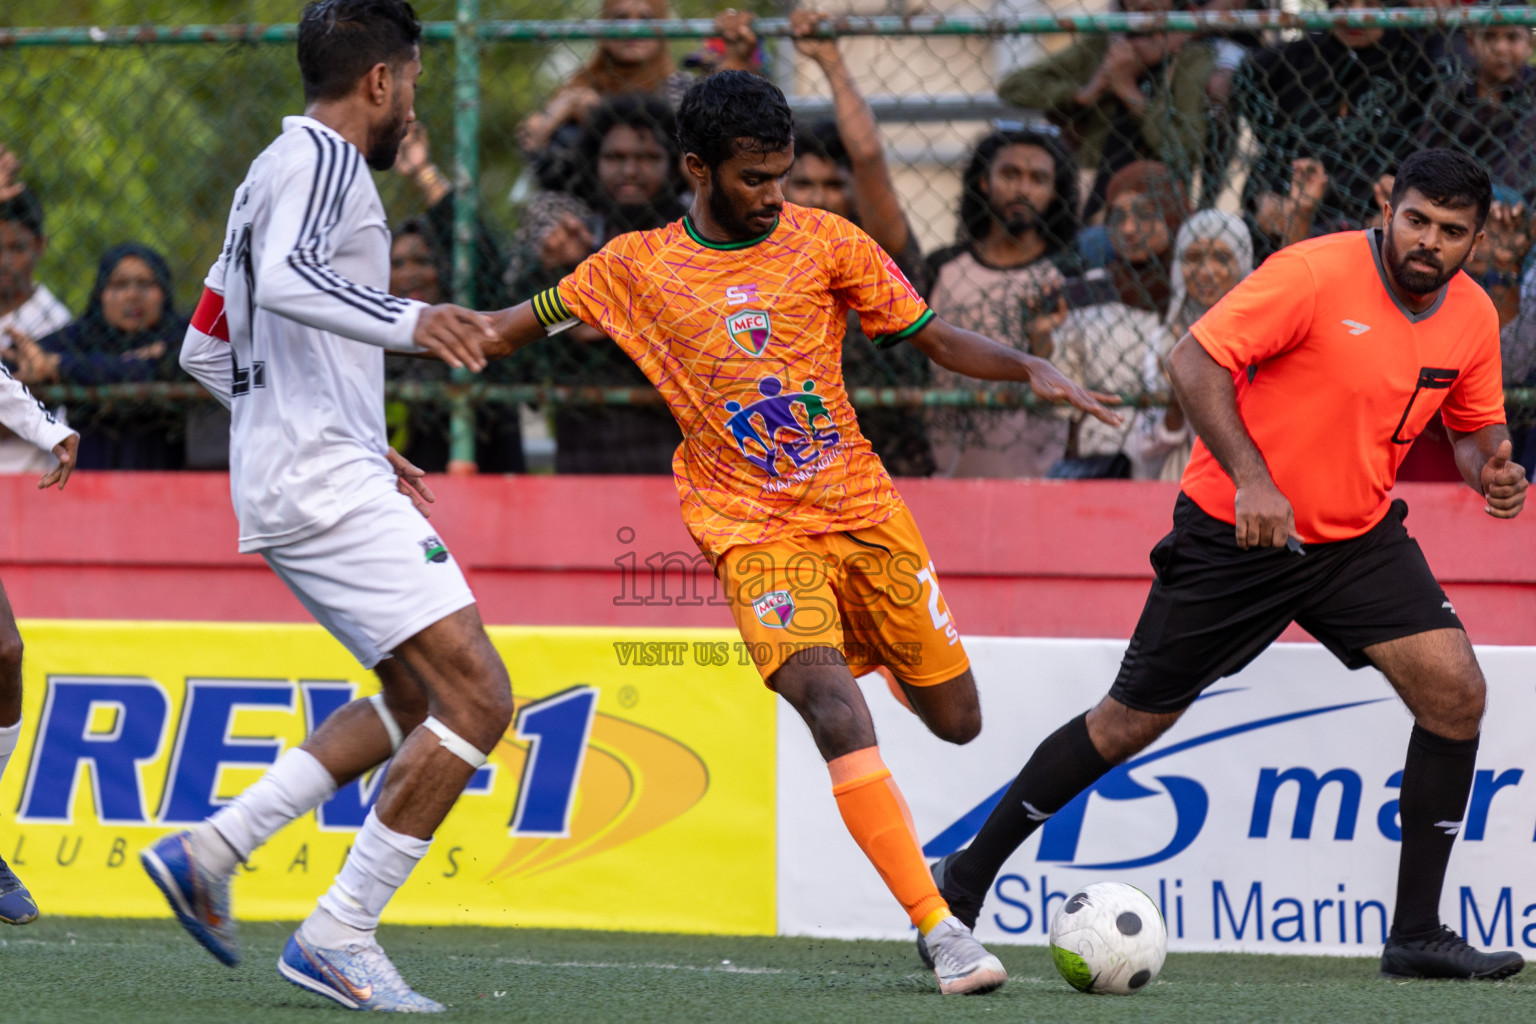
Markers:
point(396, 737)
point(456, 744)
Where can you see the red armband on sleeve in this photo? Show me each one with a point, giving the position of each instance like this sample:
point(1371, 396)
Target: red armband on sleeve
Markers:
point(209, 315)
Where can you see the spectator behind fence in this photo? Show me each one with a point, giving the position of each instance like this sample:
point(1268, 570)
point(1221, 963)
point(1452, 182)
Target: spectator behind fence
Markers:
point(626, 178)
point(1123, 97)
point(27, 307)
point(840, 166)
point(1332, 114)
point(1018, 204)
point(415, 164)
point(420, 268)
point(130, 332)
point(421, 261)
point(1147, 204)
point(1115, 324)
point(1214, 251)
point(1489, 113)
point(640, 64)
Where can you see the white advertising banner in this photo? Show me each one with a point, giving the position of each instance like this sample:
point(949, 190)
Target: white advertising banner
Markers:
point(1265, 820)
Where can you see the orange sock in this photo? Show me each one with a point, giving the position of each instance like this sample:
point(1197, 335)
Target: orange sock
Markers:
point(877, 817)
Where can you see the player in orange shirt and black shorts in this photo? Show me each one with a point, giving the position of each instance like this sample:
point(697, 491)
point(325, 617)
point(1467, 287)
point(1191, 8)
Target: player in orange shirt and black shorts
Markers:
point(736, 313)
point(1306, 384)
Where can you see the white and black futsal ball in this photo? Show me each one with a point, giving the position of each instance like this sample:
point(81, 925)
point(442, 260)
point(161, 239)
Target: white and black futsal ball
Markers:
point(1109, 937)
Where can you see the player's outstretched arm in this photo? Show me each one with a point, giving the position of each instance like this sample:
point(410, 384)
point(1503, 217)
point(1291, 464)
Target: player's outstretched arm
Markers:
point(32, 421)
point(513, 328)
point(976, 355)
point(1484, 458)
point(1205, 391)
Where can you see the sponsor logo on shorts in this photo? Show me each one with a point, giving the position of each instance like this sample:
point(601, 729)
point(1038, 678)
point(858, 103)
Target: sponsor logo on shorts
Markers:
point(434, 550)
point(774, 609)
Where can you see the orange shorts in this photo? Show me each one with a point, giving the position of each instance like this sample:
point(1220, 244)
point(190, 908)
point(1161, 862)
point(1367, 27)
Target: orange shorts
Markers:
point(871, 594)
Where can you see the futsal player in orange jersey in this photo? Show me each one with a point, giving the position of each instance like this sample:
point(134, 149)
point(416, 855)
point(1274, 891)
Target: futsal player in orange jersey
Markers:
point(1307, 384)
point(736, 313)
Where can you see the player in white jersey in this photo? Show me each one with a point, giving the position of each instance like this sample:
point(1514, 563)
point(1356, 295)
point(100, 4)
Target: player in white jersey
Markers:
point(291, 335)
point(32, 422)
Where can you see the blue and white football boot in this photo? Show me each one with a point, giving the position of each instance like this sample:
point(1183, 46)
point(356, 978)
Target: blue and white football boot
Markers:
point(199, 898)
point(16, 904)
point(359, 977)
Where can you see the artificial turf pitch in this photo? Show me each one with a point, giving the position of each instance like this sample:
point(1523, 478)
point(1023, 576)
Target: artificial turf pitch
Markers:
point(123, 972)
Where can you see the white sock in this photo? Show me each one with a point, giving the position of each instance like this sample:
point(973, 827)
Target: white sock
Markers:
point(295, 785)
point(380, 862)
point(9, 734)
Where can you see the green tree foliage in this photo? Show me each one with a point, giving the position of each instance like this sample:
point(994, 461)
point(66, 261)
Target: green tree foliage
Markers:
point(147, 142)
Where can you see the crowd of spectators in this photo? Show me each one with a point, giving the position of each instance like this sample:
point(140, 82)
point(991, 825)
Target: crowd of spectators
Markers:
point(1088, 232)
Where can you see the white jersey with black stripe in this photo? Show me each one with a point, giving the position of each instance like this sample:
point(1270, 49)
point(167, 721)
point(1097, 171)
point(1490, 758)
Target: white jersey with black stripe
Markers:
point(304, 274)
point(29, 418)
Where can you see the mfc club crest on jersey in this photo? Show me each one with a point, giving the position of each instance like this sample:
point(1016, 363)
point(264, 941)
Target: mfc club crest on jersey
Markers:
point(434, 549)
point(750, 330)
point(783, 425)
point(774, 609)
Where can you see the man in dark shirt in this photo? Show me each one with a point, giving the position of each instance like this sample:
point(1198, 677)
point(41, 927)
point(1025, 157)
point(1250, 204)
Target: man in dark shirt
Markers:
point(1331, 113)
point(1489, 112)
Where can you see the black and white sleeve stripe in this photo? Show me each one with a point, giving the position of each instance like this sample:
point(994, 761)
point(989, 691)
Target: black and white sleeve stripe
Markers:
point(336, 167)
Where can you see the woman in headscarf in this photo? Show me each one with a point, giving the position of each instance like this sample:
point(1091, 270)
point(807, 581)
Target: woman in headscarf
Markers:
point(1213, 252)
point(130, 332)
point(1147, 204)
point(1115, 320)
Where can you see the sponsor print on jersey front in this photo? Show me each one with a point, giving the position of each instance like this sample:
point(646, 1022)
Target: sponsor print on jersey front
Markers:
point(784, 431)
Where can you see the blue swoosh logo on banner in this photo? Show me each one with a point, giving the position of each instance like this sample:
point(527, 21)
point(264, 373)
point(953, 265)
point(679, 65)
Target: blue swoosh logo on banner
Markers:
point(1118, 783)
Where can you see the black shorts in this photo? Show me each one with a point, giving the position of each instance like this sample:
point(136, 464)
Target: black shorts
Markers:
point(1215, 607)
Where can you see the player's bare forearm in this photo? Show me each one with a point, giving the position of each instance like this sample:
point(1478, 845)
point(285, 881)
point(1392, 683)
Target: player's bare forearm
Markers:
point(1475, 449)
point(1485, 458)
point(514, 328)
point(972, 354)
point(1205, 392)
point(976, 355)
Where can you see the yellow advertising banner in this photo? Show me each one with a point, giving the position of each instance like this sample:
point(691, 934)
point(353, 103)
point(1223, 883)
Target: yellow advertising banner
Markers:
point(634, 790)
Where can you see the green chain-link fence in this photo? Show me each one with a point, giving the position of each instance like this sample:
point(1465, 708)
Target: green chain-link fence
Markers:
point(1201, 138)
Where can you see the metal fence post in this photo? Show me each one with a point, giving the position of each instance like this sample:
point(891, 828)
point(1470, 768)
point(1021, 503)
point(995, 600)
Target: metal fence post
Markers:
point(466, 206)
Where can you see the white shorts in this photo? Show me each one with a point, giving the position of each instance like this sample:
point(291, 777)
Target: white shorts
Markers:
point(375, 579)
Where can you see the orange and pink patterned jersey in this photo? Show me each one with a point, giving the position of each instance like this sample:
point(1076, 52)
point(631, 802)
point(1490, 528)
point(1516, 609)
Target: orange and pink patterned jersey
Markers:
point(745, 343)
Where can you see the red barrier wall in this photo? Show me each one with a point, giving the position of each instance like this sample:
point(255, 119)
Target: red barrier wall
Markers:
point(1016, 557)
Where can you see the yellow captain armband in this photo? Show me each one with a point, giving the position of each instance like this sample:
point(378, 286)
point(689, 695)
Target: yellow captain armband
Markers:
point(552, 312)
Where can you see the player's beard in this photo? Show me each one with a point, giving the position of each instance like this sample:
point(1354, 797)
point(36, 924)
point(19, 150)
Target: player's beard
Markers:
point(1412, 280)
point(384, 142)
point(738, 227)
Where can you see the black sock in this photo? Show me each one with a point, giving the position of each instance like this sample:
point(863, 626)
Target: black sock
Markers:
point(1437, 780)
point(1065, 764)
